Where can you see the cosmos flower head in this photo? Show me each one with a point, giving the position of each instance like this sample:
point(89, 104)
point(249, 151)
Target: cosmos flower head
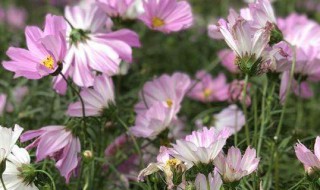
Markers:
point(45, 51)
point(233, 166)
point(167, 15)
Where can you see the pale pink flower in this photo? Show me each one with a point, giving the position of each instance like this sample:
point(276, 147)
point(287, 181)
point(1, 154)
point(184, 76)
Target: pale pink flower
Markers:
point(167, 15)
point(93, 46)
point(96, 99)
point(46, 50)
point(228, 60)
point(262, 13)
point(215, 181)
point(17, 96)
point(236, 92)
point(208, 89)
point(169, 90)
point(58, 143)
point(304, 34)
point(165, 163)
point(114, 8)
point(201, 146)
point(154, 121)
point(116, 144)
point(3, 102)
point(310, 160)
point(231, 118)
point(233, 166)
point(16, 17)
point(135, 10)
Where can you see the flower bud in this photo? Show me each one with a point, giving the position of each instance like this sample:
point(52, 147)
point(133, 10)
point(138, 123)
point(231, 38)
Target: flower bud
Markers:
point(87, 154)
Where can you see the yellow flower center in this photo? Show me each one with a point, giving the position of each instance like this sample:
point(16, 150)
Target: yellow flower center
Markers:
point(207, 92)
point(48, 62)
point(157, 22)
point(173, 162)
point(169, 102)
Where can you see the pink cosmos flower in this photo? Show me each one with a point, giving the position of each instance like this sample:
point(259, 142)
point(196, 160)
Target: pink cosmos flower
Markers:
point(235, 92)
point(93, 46)
point(228, 60)
point(215, 181)
point(310, 160)
point(231, 118)
point(58, 143)
point(167, 15)
point(115, 8)
point(96, 100)
point(167, 89)
point(16, 17)
point(201, 146)
point(304, 34)
point(152, 122)
point(18, 94)
point(233, 166)
point(3, 102)
point(46, 50)
point(209, 89)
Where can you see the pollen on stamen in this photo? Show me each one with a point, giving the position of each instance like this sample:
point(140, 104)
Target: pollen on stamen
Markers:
point(207, 92)
point(169, 102)
point(49, 62)
point(157, 22)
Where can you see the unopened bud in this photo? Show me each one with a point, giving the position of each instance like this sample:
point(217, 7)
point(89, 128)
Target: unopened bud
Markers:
point(276, 36)
point(88, 154)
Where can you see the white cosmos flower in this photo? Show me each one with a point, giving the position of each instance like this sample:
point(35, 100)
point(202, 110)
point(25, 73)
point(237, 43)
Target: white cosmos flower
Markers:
point(12, 176)
point(8, 139)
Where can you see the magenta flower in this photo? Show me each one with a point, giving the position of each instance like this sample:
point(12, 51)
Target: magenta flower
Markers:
point(46, 50)
point(3, 102)
point(152, 122)
point(310, 160)
point(201, 146)
point(58, 143)
point(236, 92)
point(93, 46)
point(115, 8)
point(167, 15)
point(215, 181)
point(96, 100)
point(228, 60)
point(233, 166)
point(167, 89)
point(209, 89)
point(231, 118)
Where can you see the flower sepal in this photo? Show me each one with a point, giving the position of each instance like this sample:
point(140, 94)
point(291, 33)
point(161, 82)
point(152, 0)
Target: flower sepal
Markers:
point(249, 65)
point(276, 36)
point(2, 167)
point(28, 173)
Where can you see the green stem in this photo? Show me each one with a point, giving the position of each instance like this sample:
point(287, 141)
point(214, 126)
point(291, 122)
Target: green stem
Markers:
point(263, 114)
point(244, 107)
point(3, 185)
point(287, 92)
point(49, 176)
point(78, 94)
point(297, 184)
point(133, 139)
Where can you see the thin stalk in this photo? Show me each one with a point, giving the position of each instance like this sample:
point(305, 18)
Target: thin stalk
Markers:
point(244, 107)
point(263, 116)
point(297, 184)
point(287, 92)
point(2, 182)
point(133, 139)
point(78, 94)
point(49, 176)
